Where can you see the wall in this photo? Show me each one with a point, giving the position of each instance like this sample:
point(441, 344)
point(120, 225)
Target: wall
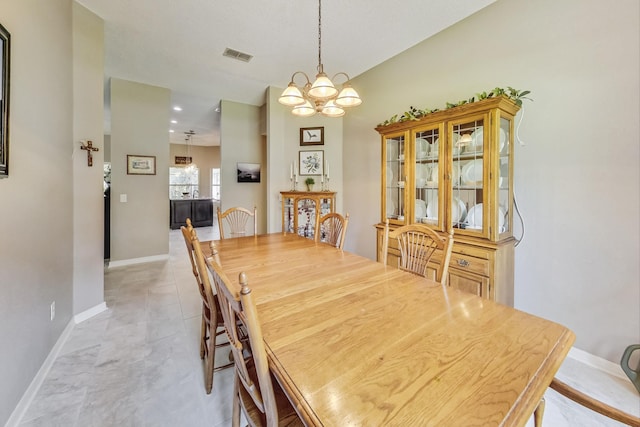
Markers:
point(577, 178)
point(36, 248)
point(139, 122)
point(240, 141)
point(206, 158)
point(283, 140)
point(88, 196)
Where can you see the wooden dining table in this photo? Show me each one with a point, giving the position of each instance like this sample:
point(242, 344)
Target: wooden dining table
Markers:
point(353, 342)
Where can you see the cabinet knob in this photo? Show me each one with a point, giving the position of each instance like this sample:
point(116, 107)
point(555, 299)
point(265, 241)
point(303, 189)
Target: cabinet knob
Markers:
point(463, 263)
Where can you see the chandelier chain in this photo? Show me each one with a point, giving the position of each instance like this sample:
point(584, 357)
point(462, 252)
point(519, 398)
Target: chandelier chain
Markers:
point(319, 36)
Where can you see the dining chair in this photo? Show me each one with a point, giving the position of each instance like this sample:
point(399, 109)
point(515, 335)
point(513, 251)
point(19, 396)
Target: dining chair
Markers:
point(587, 401)
point(212, 324)
point(418, 244)
point(332, 229)
point(236, 219)
point(255, 393)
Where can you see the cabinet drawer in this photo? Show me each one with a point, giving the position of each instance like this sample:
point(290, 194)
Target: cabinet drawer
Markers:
point(470, 264)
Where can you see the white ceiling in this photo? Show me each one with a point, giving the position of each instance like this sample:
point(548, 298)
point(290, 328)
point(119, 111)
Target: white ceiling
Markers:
point(179, 44)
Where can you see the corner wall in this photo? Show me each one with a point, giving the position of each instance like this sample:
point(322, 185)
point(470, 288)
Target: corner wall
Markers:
point(36, 247)
point(139, 126)
point(88, 192)
point(240, 141)
point(577, 179)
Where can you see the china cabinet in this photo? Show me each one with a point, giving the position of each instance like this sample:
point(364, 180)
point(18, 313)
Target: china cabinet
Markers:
point(300, 209)
point(453, 169)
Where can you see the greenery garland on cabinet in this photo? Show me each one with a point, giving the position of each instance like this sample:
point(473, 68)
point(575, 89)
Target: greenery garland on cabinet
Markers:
point(414, 113)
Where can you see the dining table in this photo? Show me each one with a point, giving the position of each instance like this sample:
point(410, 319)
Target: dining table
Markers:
point(353, 342)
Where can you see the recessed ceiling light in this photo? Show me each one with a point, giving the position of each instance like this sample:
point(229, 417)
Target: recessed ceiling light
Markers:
point(177, 108)
point(174, 121)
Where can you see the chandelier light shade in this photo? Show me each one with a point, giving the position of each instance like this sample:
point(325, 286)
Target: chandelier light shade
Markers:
point(322, 96)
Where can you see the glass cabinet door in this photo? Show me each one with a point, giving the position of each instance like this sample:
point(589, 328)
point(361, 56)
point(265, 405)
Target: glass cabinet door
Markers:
point(426, 153)
point(395, 176)
point(505, 201)
point(468, 146)
point(306, 210)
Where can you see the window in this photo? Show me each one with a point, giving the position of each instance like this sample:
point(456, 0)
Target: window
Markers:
point(183, 183)
point(215, 183)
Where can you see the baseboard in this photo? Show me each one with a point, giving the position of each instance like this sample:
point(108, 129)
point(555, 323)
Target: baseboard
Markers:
point(22, 406)
point(132, 261)
point(87, 314)
point(597, 362)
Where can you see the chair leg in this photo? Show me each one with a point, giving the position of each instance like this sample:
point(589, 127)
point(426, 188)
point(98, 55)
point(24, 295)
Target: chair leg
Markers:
point(210, 363)
point(539, 413)
point(235, 418)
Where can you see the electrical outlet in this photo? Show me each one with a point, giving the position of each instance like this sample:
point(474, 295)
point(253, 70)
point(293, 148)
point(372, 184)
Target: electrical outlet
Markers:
point(53, 310)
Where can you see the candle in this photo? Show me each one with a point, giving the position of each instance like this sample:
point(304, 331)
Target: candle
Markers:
point(290, 170)
point(321, 178)
point(327, 170)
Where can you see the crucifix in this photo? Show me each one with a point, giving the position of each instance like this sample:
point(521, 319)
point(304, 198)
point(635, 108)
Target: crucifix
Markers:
point(89, 147)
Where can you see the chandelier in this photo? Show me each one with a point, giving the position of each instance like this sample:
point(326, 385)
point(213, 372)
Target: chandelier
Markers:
point(321, 96)
point(188, 142)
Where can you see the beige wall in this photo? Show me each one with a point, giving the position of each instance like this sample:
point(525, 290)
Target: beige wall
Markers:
point(240, 141)
point(88, 196)
point(139, 120)
point(206, 158)
point(283, 140)
point(577, 178)
point(36, 219)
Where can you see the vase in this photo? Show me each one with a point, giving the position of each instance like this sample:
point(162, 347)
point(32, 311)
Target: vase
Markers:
point(309, 187)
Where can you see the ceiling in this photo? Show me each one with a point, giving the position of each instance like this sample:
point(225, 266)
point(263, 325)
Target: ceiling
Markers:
point(179, 44)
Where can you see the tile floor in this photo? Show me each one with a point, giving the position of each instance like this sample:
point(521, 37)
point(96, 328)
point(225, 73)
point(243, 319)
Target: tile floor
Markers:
point(137, 363)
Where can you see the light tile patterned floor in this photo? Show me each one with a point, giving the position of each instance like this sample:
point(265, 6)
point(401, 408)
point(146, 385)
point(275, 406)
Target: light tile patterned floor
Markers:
point(138, 364)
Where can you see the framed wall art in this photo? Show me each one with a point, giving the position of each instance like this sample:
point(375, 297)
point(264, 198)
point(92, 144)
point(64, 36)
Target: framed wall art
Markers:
point(5, 55)
point(311, 162)
point(248, 172)
point(312, 136)
point(141, 165)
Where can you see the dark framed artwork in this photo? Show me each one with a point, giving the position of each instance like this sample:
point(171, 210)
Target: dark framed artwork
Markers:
point(183, 160)
point(311, 162)
point(141, 165)
point(248, 172)
point(5, 55)
point(312, 136)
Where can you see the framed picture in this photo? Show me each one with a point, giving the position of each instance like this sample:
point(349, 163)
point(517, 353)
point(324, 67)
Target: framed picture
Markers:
point(5, 39)
point(312, 136)
point(311, 162)
point(183, 160)
point(248, 172)
point(141, 165)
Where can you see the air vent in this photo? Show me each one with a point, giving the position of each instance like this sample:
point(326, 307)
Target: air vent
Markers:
point(240, 56)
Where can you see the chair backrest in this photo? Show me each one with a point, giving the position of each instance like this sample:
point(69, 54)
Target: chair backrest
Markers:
point(239, 310)
point(594, 404)
point(417, 244)
point(332, 229)
point(237, 218)
point(200, 271)
point(187, 233)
